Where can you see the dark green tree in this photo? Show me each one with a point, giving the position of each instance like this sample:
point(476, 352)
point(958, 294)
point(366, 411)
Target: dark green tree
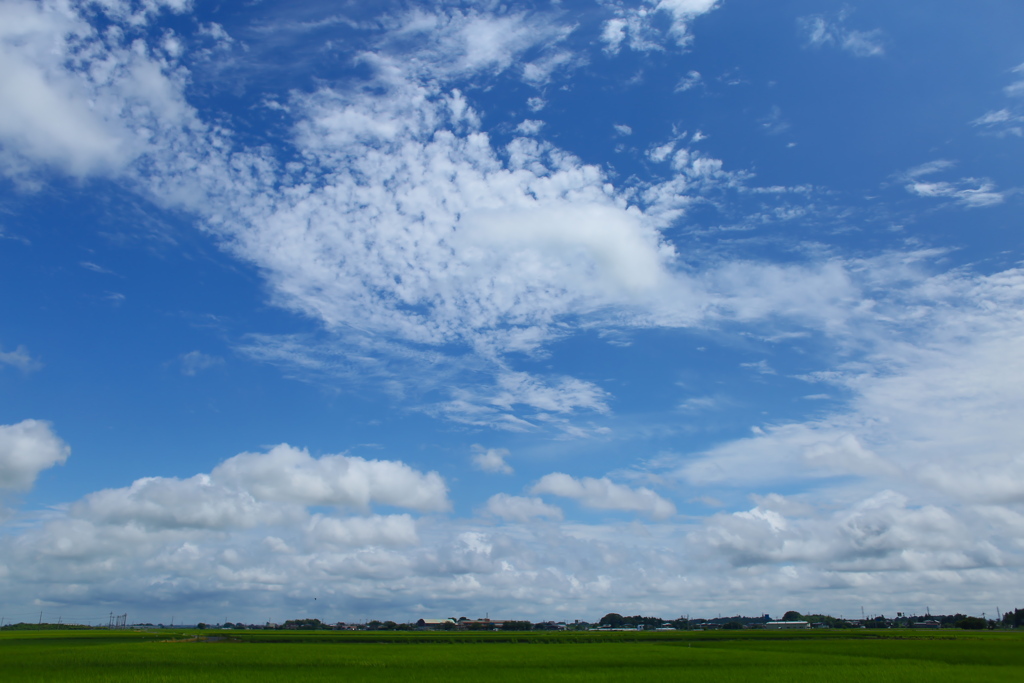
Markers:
point(516, 626)
point(971, 623)
point(613, 620)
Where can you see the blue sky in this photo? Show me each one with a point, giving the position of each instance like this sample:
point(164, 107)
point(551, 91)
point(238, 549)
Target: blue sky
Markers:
point(544, 310)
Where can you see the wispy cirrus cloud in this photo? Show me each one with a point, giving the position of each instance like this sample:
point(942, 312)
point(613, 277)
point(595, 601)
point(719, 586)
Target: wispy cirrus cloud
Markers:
point(636, 27)
point(821, 31)
point(1008, 120)
point(195, 362)
point(21, 359)
point(968, 192)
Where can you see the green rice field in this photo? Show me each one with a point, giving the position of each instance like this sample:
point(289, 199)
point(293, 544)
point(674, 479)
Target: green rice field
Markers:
point(254, 656)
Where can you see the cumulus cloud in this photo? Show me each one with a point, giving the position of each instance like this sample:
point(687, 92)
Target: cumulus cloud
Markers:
point(932, 414)
point(604, 494)
point(291, 475)
point(530, 127)
point(787, 452)
point(257, 489)
point(168, 503)
point(82, 100)
point(491, 460)
point(26, 449)
point(521, 509)
point(875, 534)
point(376, 530)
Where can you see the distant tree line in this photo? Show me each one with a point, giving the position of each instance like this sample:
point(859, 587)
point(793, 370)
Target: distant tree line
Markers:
point(1014, 619)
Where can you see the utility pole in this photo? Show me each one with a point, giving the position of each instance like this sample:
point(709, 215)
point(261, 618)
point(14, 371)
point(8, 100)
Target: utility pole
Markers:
point(40, 617)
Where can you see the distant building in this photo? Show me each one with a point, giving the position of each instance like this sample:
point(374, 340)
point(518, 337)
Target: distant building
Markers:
point(927, 623)
point(480, 625)
point(434, 623)
point(781, 625)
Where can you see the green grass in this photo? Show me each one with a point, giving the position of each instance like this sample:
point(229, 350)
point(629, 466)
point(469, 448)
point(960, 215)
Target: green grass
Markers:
point(875, 657)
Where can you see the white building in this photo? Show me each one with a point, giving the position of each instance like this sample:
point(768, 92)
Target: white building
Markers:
point(779, 625)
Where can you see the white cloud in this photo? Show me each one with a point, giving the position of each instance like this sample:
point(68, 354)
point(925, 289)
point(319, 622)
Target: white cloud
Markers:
point(968, 192)
point(786, 452)
point(453, 42)
point(194, 362)
point(660, 153)
point(290, 475)
point(26, 449)
point(521, 509)
point(20, 358)
point(418, 230)
point(931, 414)
point(78, 99)
point(1000, 116)
point(530, 127)
point(614, 33)
point(167, 503)
point(878, 534)
point(699, 403)
point(622, 129)
point(863, 43)
point(418, 241)
point(1005, 121)
point(637, 27)
point(691, 80)
point(376, 530)
point(683, 12)
point(929, 168)
point(458, 246)
point(774, 123)
point(604, 494)
point(760, 367)
point(267, 488)
point(820, 31)
point(258, 489)
point(491, 460)
point(498, 406)
point(1016, 89)
point(1001, 122)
